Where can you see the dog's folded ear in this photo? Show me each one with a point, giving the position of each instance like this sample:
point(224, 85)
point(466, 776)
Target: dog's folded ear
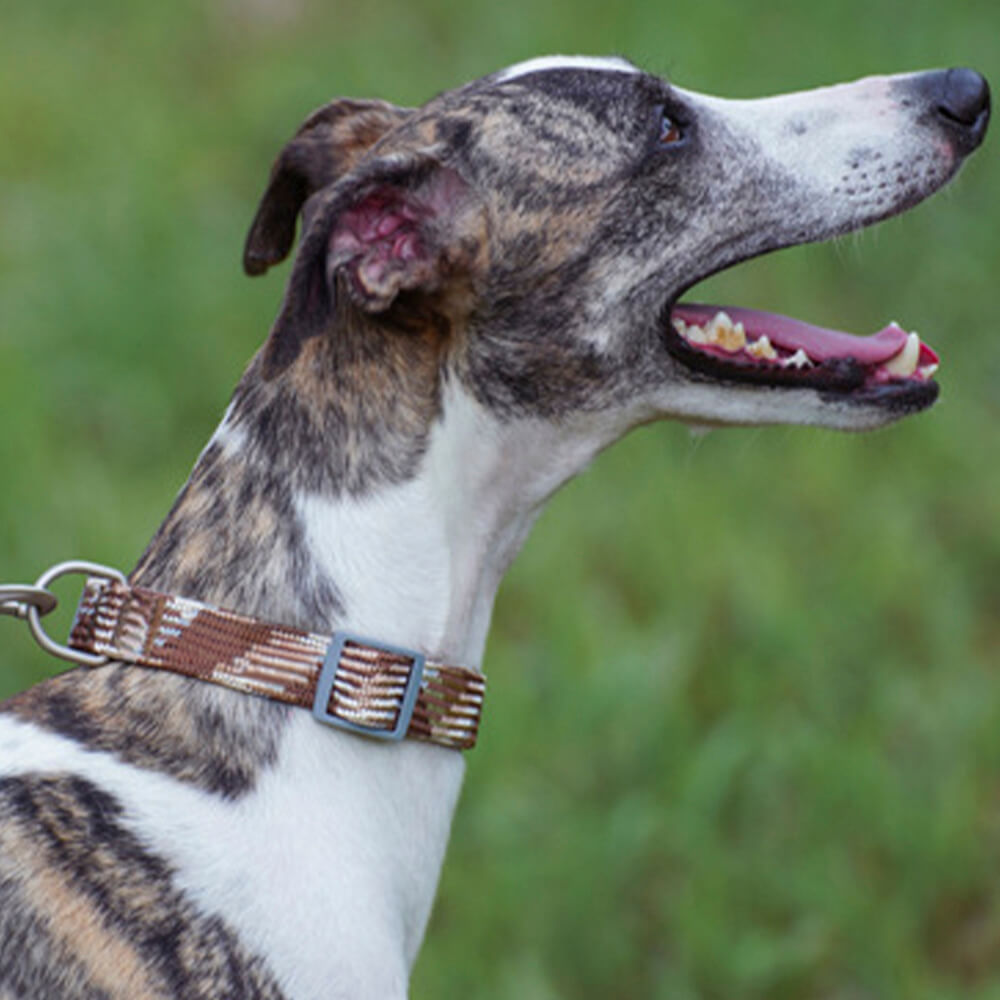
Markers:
point(402, 222)
point(328, 145)
point(406, 223)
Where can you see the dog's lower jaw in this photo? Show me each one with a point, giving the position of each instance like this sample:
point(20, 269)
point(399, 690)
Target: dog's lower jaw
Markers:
point(710, 403)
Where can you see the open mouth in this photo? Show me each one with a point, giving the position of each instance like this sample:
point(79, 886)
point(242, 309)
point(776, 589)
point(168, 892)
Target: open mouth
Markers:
point(745, 345)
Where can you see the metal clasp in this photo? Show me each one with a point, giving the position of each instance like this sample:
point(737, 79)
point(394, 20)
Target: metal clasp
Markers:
point(328, 676)
point(32, 603)
point(17, 598)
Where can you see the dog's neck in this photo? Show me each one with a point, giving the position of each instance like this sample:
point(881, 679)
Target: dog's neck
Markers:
point(363, 487)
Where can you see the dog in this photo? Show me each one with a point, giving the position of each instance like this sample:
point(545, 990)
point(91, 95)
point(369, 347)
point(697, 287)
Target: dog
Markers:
point(485, 294)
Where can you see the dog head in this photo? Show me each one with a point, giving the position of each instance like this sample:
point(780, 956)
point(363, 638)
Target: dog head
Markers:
point(548, 218)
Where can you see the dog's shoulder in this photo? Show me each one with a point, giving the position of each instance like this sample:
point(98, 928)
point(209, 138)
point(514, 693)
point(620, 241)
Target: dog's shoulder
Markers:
point(88, 911)
point(211, 738)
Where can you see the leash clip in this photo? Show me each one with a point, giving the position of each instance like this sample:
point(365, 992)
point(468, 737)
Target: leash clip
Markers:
point(17, 598)
point(32, 603)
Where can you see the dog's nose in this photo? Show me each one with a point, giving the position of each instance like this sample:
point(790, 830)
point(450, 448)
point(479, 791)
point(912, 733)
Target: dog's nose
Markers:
point(961, 101)
point(965, 96)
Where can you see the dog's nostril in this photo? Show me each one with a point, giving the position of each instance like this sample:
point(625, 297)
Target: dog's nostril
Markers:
point(964, 97)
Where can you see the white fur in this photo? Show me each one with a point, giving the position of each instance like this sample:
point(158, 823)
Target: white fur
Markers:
point(230, 437)
point(543, 63)
point(419, 564)
point(328, 868)
point(816, 134)
point(706, 405)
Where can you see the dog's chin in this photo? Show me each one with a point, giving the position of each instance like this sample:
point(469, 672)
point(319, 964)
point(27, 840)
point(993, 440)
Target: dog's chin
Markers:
point(890, 372)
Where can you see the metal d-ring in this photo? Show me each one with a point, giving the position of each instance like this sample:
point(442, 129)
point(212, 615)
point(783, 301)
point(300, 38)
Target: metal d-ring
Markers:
point(33, 608)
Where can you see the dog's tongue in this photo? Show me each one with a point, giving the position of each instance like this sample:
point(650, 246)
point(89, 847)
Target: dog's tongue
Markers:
point(792, 334)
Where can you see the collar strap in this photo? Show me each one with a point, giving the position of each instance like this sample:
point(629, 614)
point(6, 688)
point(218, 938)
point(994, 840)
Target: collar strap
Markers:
point(349, 682)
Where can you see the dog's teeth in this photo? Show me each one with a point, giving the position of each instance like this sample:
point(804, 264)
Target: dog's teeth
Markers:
point(904, 364)
point(693, 334)
point(720, 331)
point(798, 360)
point(727, 335)
point(697, 335)
point(927, 371)
point(762, 349)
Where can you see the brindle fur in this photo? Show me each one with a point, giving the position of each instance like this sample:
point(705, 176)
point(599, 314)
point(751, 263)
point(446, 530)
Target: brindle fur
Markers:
point(87, 913)
point(551, 229)
point(211, 738)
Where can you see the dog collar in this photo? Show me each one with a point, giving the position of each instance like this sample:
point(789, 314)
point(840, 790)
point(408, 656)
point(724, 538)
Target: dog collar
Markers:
point(361, 685)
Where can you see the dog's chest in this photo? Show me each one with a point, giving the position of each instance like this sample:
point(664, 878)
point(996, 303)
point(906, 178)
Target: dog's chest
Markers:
point(308, 868)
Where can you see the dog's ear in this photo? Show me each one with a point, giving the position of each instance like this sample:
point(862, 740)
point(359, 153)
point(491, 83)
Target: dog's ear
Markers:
point(328, 145)
point(403, 222)
point(407, 223)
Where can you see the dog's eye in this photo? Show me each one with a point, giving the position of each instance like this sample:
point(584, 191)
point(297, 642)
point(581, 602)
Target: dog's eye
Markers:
point(670, 131)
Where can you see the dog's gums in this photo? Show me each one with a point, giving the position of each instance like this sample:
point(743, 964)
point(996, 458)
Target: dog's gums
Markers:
point(745, 344)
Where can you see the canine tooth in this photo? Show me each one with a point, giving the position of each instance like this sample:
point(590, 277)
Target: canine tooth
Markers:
point(928, 371)
point(761, 348)
point(798, 360)
point(714, 327)
point(904, 363)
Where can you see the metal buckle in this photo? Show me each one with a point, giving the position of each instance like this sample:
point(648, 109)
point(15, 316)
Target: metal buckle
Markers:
point(328, 676)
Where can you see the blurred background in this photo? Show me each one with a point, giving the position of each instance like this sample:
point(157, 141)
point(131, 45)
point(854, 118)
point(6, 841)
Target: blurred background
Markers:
point(743, 732)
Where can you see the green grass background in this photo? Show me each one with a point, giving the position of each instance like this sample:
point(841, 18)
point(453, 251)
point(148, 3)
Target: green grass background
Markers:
point(743, 734)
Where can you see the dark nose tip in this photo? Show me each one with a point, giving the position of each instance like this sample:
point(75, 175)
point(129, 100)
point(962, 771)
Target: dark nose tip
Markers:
point(961, 102)
point(965, 96)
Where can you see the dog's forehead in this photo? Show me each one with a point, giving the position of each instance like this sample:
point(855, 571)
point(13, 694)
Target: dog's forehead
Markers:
point(583, 80)
point(580, 113)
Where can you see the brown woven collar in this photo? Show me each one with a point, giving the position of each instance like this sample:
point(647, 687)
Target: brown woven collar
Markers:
point(349, 682)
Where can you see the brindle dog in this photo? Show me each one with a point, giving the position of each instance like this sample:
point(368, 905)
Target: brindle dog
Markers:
point(485, 295)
